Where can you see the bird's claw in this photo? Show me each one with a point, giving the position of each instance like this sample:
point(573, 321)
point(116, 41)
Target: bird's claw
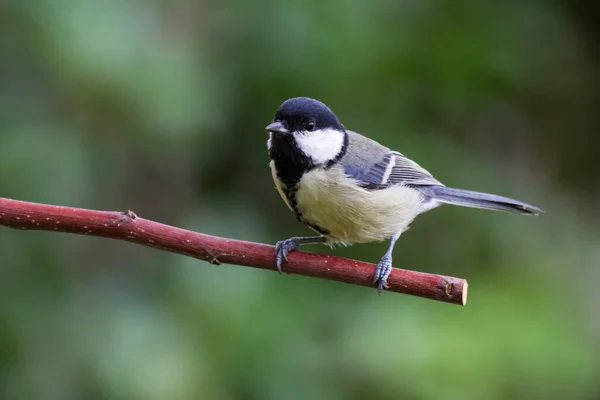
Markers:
point(282, 249)
point(383, 270)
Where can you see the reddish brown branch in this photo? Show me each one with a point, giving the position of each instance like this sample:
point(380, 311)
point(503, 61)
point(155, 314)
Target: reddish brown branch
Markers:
point(216, 250)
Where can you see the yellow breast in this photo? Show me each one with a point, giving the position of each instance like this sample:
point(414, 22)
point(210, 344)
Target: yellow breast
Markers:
point(333, 201)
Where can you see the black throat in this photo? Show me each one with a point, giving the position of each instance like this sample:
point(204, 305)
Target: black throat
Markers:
point(291, 163)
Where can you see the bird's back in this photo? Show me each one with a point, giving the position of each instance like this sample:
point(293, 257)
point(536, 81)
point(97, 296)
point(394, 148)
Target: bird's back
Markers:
point(362, 150)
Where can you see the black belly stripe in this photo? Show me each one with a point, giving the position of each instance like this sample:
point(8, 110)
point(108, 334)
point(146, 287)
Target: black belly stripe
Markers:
point(291, 164)
point(290, 194)
point(317, 228)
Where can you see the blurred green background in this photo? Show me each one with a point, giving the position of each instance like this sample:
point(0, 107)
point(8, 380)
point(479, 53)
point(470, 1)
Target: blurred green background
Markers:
point(160, 107)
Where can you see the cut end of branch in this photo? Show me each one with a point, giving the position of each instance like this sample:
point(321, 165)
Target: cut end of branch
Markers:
point(457, 291)
point(464, 294)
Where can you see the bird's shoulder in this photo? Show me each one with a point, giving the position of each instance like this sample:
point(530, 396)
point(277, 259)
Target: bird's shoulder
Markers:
point(363, 151)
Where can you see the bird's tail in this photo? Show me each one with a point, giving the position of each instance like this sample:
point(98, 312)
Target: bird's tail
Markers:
point(468, 198)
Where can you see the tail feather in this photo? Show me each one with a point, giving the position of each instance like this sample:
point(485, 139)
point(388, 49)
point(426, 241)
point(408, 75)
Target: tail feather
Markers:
point(468, 198)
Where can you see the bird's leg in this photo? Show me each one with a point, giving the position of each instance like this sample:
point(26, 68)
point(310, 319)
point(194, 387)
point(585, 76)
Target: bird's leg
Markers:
point(384, 267)
point(283, 247)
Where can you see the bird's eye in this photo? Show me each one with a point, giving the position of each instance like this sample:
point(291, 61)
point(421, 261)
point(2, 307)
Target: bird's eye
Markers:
point(310, 125)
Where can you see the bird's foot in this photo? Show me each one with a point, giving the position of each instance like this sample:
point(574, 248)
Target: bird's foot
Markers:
point(282, 249)
point(383, 270)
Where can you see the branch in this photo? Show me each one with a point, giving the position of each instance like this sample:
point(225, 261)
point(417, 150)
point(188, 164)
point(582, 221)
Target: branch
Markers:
point(216, 250)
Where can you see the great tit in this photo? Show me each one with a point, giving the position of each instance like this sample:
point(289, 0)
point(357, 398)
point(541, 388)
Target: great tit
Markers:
point(351, 189)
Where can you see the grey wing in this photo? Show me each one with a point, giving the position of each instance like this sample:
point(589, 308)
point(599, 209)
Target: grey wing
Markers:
point(392, 169)
point(377, 167)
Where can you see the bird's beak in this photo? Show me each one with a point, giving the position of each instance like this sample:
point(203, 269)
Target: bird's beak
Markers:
point(277, 127)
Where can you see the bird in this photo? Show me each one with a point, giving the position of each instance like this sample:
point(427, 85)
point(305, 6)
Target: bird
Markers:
point(351, 189)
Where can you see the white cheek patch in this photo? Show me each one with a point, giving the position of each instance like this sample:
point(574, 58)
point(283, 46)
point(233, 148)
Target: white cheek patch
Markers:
point(321, 145)
point(269, 141)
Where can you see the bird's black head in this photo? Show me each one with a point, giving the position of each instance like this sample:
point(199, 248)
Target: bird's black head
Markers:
point(304, 114)
point(305, 134)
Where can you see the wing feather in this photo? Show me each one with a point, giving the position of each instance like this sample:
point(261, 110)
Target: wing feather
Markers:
point(377, 167)
point(409, 173)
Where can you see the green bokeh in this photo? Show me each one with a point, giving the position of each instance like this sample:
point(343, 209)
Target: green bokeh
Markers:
point(160, 107)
